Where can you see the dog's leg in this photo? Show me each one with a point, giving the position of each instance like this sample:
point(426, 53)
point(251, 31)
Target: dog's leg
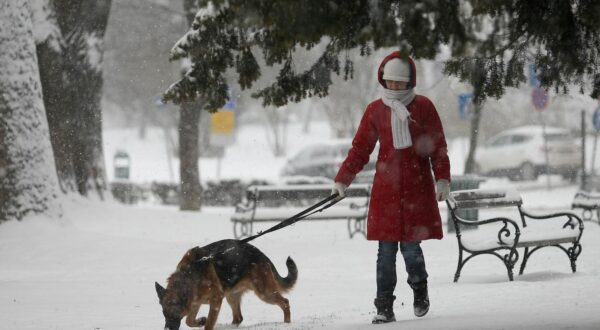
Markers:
point(191, 320)
point(216, 298)
point(235, 300)
point(215, 307)
point(276, 298)
point(266, 288)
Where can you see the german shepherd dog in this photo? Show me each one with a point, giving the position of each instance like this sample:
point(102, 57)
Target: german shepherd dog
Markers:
point(223, 269)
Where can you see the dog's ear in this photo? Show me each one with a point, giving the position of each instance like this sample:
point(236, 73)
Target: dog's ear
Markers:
point(160, 291)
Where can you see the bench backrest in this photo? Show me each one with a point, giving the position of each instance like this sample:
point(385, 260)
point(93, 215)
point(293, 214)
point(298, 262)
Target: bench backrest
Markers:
point(300, 192)
point(483, 198)
point(460, 201)
point(586, 199)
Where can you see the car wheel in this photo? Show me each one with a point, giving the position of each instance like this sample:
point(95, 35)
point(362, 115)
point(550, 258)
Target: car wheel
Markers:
point(527, 172)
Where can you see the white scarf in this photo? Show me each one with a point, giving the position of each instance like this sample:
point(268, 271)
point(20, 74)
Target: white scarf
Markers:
point(397, 100)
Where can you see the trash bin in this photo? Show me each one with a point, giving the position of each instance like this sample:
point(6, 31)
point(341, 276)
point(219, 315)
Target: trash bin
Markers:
point(463, 182)
point(122, 165)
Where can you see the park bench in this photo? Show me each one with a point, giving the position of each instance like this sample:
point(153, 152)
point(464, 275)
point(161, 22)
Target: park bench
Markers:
point(589, 202)
point(501, 235)
point(274, 203)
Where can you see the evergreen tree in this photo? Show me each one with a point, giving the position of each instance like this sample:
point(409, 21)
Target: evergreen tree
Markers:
point(489, 42)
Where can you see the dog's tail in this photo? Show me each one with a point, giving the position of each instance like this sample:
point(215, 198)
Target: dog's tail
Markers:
point(286, 283)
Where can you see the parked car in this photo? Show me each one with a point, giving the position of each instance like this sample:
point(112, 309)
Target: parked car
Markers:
point(324, 160)
point(519, 153)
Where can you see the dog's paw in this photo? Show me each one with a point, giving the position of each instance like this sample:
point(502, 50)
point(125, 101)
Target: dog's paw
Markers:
point(201, 321)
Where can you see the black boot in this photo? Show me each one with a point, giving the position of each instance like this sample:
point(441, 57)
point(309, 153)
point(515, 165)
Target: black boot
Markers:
point(385, 309)
point(421, 302)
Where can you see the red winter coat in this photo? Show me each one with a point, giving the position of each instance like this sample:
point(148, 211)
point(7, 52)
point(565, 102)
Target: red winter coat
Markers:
point(403, 205)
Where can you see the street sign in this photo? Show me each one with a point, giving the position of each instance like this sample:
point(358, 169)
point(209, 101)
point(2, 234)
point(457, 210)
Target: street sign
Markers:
point(231, 103)
point(539, 98)
point(222, 126)
point(222, 122)
point(596, 119)
point(464, 100)
point(533, 77)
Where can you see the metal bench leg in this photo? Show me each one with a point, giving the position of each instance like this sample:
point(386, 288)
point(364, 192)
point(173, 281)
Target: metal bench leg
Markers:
point(356, 226)
point(524, 262)
point(459, 266)
point(573, 253)
point(510, 260)
point(245, 229)
point(235, 230)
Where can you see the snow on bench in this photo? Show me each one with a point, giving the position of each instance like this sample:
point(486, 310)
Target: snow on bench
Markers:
point(588, 201)
point(501, 236)
point(275, 203)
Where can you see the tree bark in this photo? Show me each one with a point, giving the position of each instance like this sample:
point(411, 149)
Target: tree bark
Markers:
point(50, 62)
point(189, 121)
point(83, 24)
point(475, 120)
point(28, 182)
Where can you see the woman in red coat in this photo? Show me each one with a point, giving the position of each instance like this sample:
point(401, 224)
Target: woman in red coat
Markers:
point(413, 153)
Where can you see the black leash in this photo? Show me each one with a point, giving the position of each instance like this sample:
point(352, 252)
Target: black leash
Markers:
point(329, 201)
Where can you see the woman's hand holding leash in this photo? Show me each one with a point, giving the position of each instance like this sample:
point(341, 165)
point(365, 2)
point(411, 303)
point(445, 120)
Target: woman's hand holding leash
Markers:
point(442, 190)
point(339, 189)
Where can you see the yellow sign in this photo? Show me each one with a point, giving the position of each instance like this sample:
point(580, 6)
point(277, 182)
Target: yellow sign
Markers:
point(222, 122)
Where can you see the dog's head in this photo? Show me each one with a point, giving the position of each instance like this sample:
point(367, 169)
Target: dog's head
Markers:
point(172, 306)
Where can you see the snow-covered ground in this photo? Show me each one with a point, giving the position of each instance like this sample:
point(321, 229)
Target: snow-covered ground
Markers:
point(95, 268)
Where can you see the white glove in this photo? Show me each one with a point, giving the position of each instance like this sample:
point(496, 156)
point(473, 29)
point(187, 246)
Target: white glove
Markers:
point(442, 190)
point(340, 189)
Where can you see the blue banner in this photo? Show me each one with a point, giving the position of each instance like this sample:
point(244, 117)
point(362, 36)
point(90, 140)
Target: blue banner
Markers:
point(464, 100)
point(533, 77)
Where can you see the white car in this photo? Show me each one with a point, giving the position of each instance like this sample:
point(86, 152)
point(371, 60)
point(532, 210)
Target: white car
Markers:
point(324, 160)
point(519, 153)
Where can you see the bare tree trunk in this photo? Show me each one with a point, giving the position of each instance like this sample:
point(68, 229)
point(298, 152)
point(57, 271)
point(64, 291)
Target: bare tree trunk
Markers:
point(189, 122)
point(189, 146)
point(475, 120)
point(50, 63)
point(28, 182)
point(83, 24)
point(277, 125)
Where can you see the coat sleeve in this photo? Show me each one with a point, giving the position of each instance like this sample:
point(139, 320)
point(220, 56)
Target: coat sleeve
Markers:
point(362, 146)
point(439, 155)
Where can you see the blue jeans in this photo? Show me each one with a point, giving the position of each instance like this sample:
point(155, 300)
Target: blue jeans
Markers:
point(386, 265)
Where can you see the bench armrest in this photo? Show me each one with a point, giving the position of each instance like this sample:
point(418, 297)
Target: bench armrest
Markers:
point(510, 227)
point(572, 219)
point(242, 208)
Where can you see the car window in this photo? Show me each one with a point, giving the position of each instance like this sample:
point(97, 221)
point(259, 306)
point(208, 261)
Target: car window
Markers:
point(303, 155)
point(319, 152)
point(519, 138)
point(501, 141)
